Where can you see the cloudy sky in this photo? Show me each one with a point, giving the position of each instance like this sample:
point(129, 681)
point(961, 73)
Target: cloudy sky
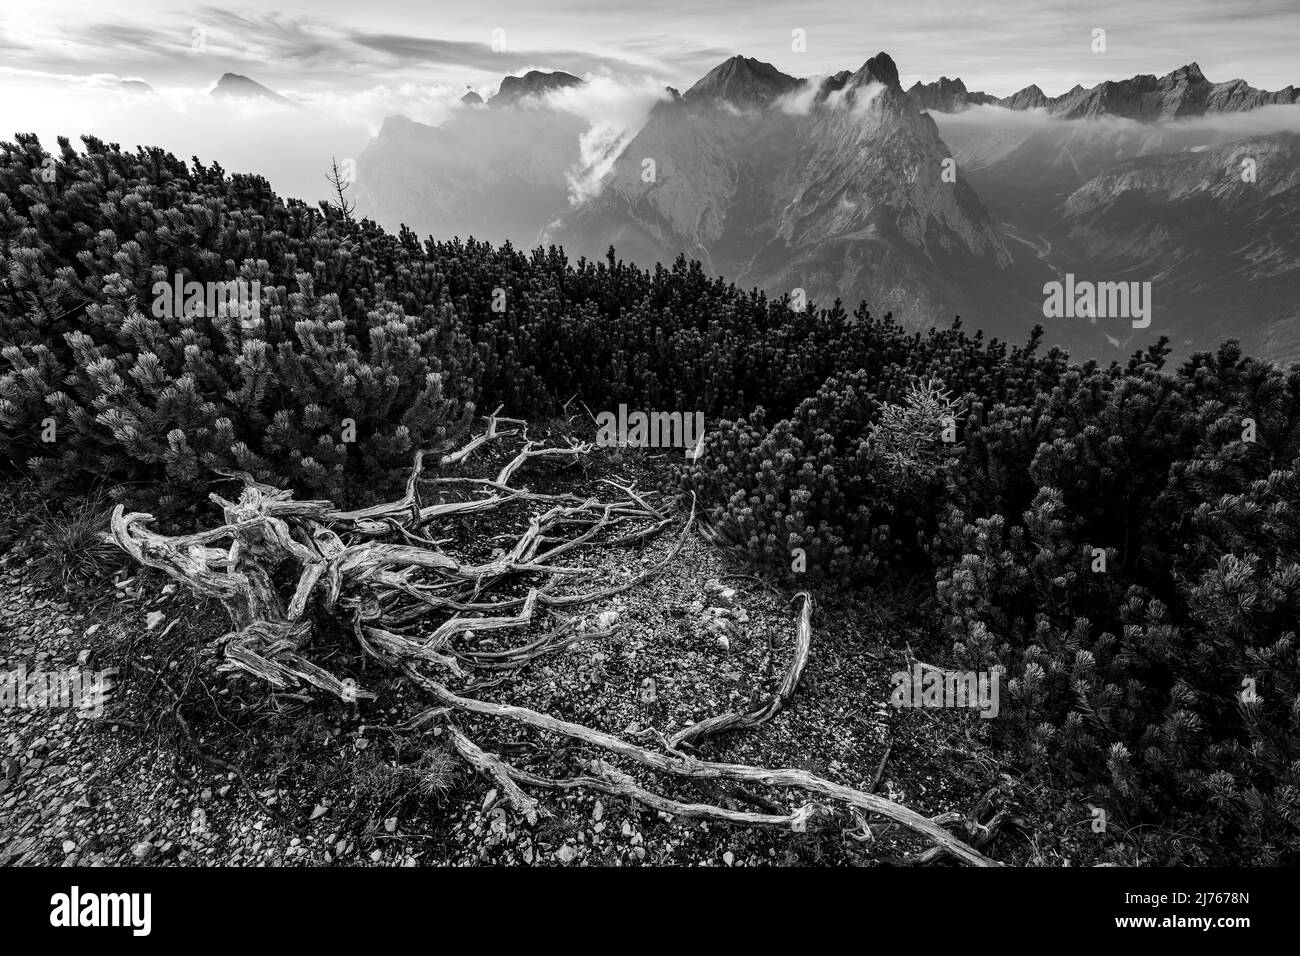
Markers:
point(352, 63)
point(343, 45)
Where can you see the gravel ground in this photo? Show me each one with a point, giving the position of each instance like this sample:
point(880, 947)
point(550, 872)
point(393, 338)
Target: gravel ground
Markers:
point(246, 780)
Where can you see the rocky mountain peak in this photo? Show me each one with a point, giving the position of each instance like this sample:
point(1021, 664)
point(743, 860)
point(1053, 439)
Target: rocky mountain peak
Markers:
point(1191, 73)
point(533, 83)
point(237, 86)
point(879, 69)
point(1031, 97)
point(744, 81)
point(947, 96)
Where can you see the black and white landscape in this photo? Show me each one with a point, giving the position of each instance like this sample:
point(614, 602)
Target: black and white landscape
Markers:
point(635, 435)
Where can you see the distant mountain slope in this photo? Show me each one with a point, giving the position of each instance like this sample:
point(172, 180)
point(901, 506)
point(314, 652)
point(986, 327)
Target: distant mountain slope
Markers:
point(496, 174)
point(1221, 250)
point(1165, 202)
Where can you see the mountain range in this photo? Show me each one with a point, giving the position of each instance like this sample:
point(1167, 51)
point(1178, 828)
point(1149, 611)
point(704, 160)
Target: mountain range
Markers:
point(1147, 98)
point(847, 186)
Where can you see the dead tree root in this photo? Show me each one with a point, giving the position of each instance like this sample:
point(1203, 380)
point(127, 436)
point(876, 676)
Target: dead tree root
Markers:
point(381, 568)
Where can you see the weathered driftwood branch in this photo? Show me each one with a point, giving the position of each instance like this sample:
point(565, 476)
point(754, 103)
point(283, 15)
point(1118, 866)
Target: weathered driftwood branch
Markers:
point(609, 779)
point(485, 762)
point(334, 552)
point(736, 721)
point(684, 766)
point(981, 833)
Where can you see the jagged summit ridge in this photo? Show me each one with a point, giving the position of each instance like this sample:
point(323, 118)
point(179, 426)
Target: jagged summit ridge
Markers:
point(533, 83)
point(747, 82)
point(1145, 97)
point(947, 96)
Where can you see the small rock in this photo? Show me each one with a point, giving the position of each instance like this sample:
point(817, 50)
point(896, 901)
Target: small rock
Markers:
point(153, 619)
point(391, 824)
point(729, 858)
point(376, 856)
point(317, 812)
point(566, 854)
point(69, 846)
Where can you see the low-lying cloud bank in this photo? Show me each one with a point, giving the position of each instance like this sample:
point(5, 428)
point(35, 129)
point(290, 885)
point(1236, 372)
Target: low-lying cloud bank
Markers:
point(293, 146)
point(1266, 119)
point(290, 146)
point(1031, 143)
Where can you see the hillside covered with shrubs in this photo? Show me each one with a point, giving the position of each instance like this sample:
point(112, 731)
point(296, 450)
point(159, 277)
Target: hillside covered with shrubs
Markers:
point(1122, 541)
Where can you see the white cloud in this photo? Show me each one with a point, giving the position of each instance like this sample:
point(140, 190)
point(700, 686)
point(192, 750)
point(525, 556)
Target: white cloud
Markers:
point(368, 108)
point(290, 147)
point(799, 102)
point(616, 109)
